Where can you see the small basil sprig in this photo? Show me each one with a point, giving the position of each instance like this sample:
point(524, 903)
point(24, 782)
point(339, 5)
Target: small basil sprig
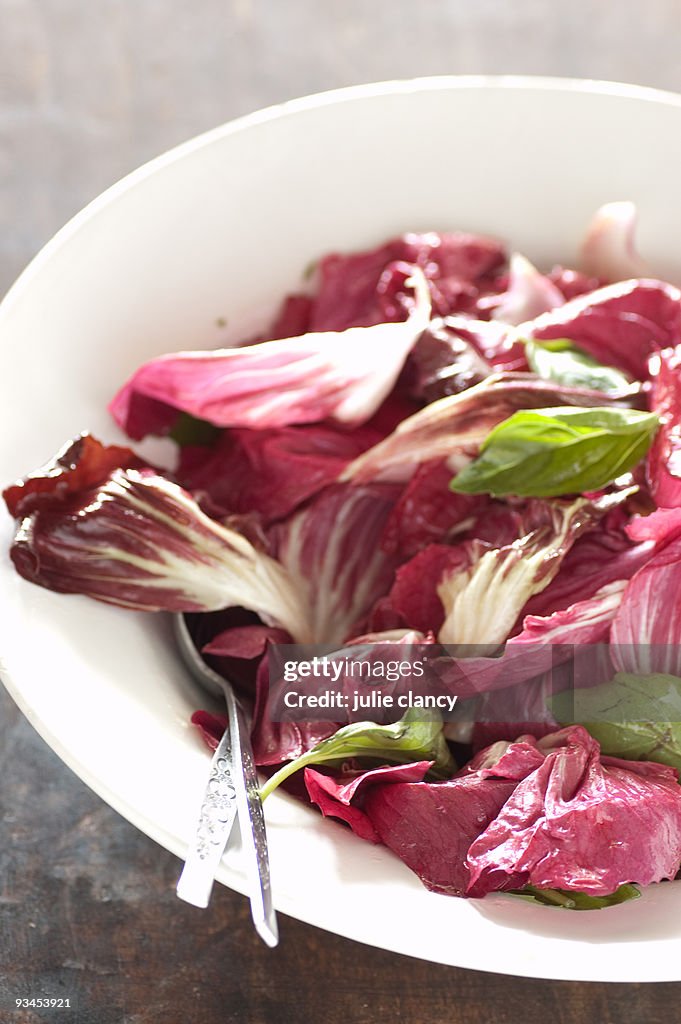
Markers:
point(410, 739)
point(188, 430)
point(564, 362)
point(544, 453)
point(634, 717)
point(577, 900)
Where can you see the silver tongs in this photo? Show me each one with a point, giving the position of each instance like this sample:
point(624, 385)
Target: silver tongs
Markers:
point(232, 790)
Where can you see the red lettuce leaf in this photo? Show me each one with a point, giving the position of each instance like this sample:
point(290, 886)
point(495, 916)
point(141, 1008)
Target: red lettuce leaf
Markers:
point(270, 471)
point(341, 796)
point(528, 294)
point(582, 823)
point(664, 457)
point(428, 512)
point(430, 826)
point(620, 325)
point(341, 376)
point(357, 289)
point(608, 250)
point(331, 551)
point(646, 632)
point(137, 540)
point(246, 642)
point(454, 427)
point(81, 465)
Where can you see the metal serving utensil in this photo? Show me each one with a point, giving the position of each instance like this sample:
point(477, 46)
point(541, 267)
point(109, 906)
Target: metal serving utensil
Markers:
point(231, 791)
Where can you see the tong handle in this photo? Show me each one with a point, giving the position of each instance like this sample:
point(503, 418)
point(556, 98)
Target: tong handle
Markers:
point(216, 819)
point(252, 825)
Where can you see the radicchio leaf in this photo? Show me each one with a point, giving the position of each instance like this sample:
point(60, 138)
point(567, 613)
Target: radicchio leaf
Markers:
point(137, 540)
point(483, 599)
point(454, 427)
point(276, 741)
point(331, 551)
point(620, 325)
point(431, 825)
point(603, 556)
point(646, 631)
point(528, 295)
point(344, 376)
point(341, 796)
point(270, 471)
point(503, 538)
point(446, 359)
point(428, 512)
point(608, 251)
point(358, 289)
point(581, 822)
point(664, 458)
point(660, 527)
point(80, 465)
point(543, 643)
point(245, 642)
point(572, 282)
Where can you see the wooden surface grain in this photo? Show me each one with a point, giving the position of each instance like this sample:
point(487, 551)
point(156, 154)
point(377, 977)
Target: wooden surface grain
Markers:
point(88, 912)
point(88, 90)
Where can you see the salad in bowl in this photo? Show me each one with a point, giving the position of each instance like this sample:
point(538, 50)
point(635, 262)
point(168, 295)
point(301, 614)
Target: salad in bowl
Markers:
point(439, 448)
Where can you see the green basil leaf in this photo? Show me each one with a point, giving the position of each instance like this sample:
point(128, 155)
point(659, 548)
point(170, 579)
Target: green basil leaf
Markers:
point(188, 430)
point(634, 717)
point(577, 900)
point(410, 739)
point(564, 362)
point(545, 453)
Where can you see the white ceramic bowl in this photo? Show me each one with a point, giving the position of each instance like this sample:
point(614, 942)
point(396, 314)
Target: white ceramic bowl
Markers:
point(222, 227)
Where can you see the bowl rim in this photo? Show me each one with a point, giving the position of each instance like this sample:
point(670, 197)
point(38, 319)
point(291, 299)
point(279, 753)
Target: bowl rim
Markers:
point(328, 97)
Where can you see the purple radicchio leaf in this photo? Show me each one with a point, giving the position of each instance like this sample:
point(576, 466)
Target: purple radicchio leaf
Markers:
point(358, 289)
point(431, 825)
point(608, 250)
point(453, 428)
point(483, 599)
point(620, 325)
point(581, 822)
point(137, 540)
point(646, 631)
point(447, 359)
point(331, 550)
point(529, 294)
point(342, 376)
point(664, 457)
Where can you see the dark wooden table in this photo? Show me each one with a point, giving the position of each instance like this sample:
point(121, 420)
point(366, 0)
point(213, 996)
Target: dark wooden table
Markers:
point(88, 90)
point(88, 912)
